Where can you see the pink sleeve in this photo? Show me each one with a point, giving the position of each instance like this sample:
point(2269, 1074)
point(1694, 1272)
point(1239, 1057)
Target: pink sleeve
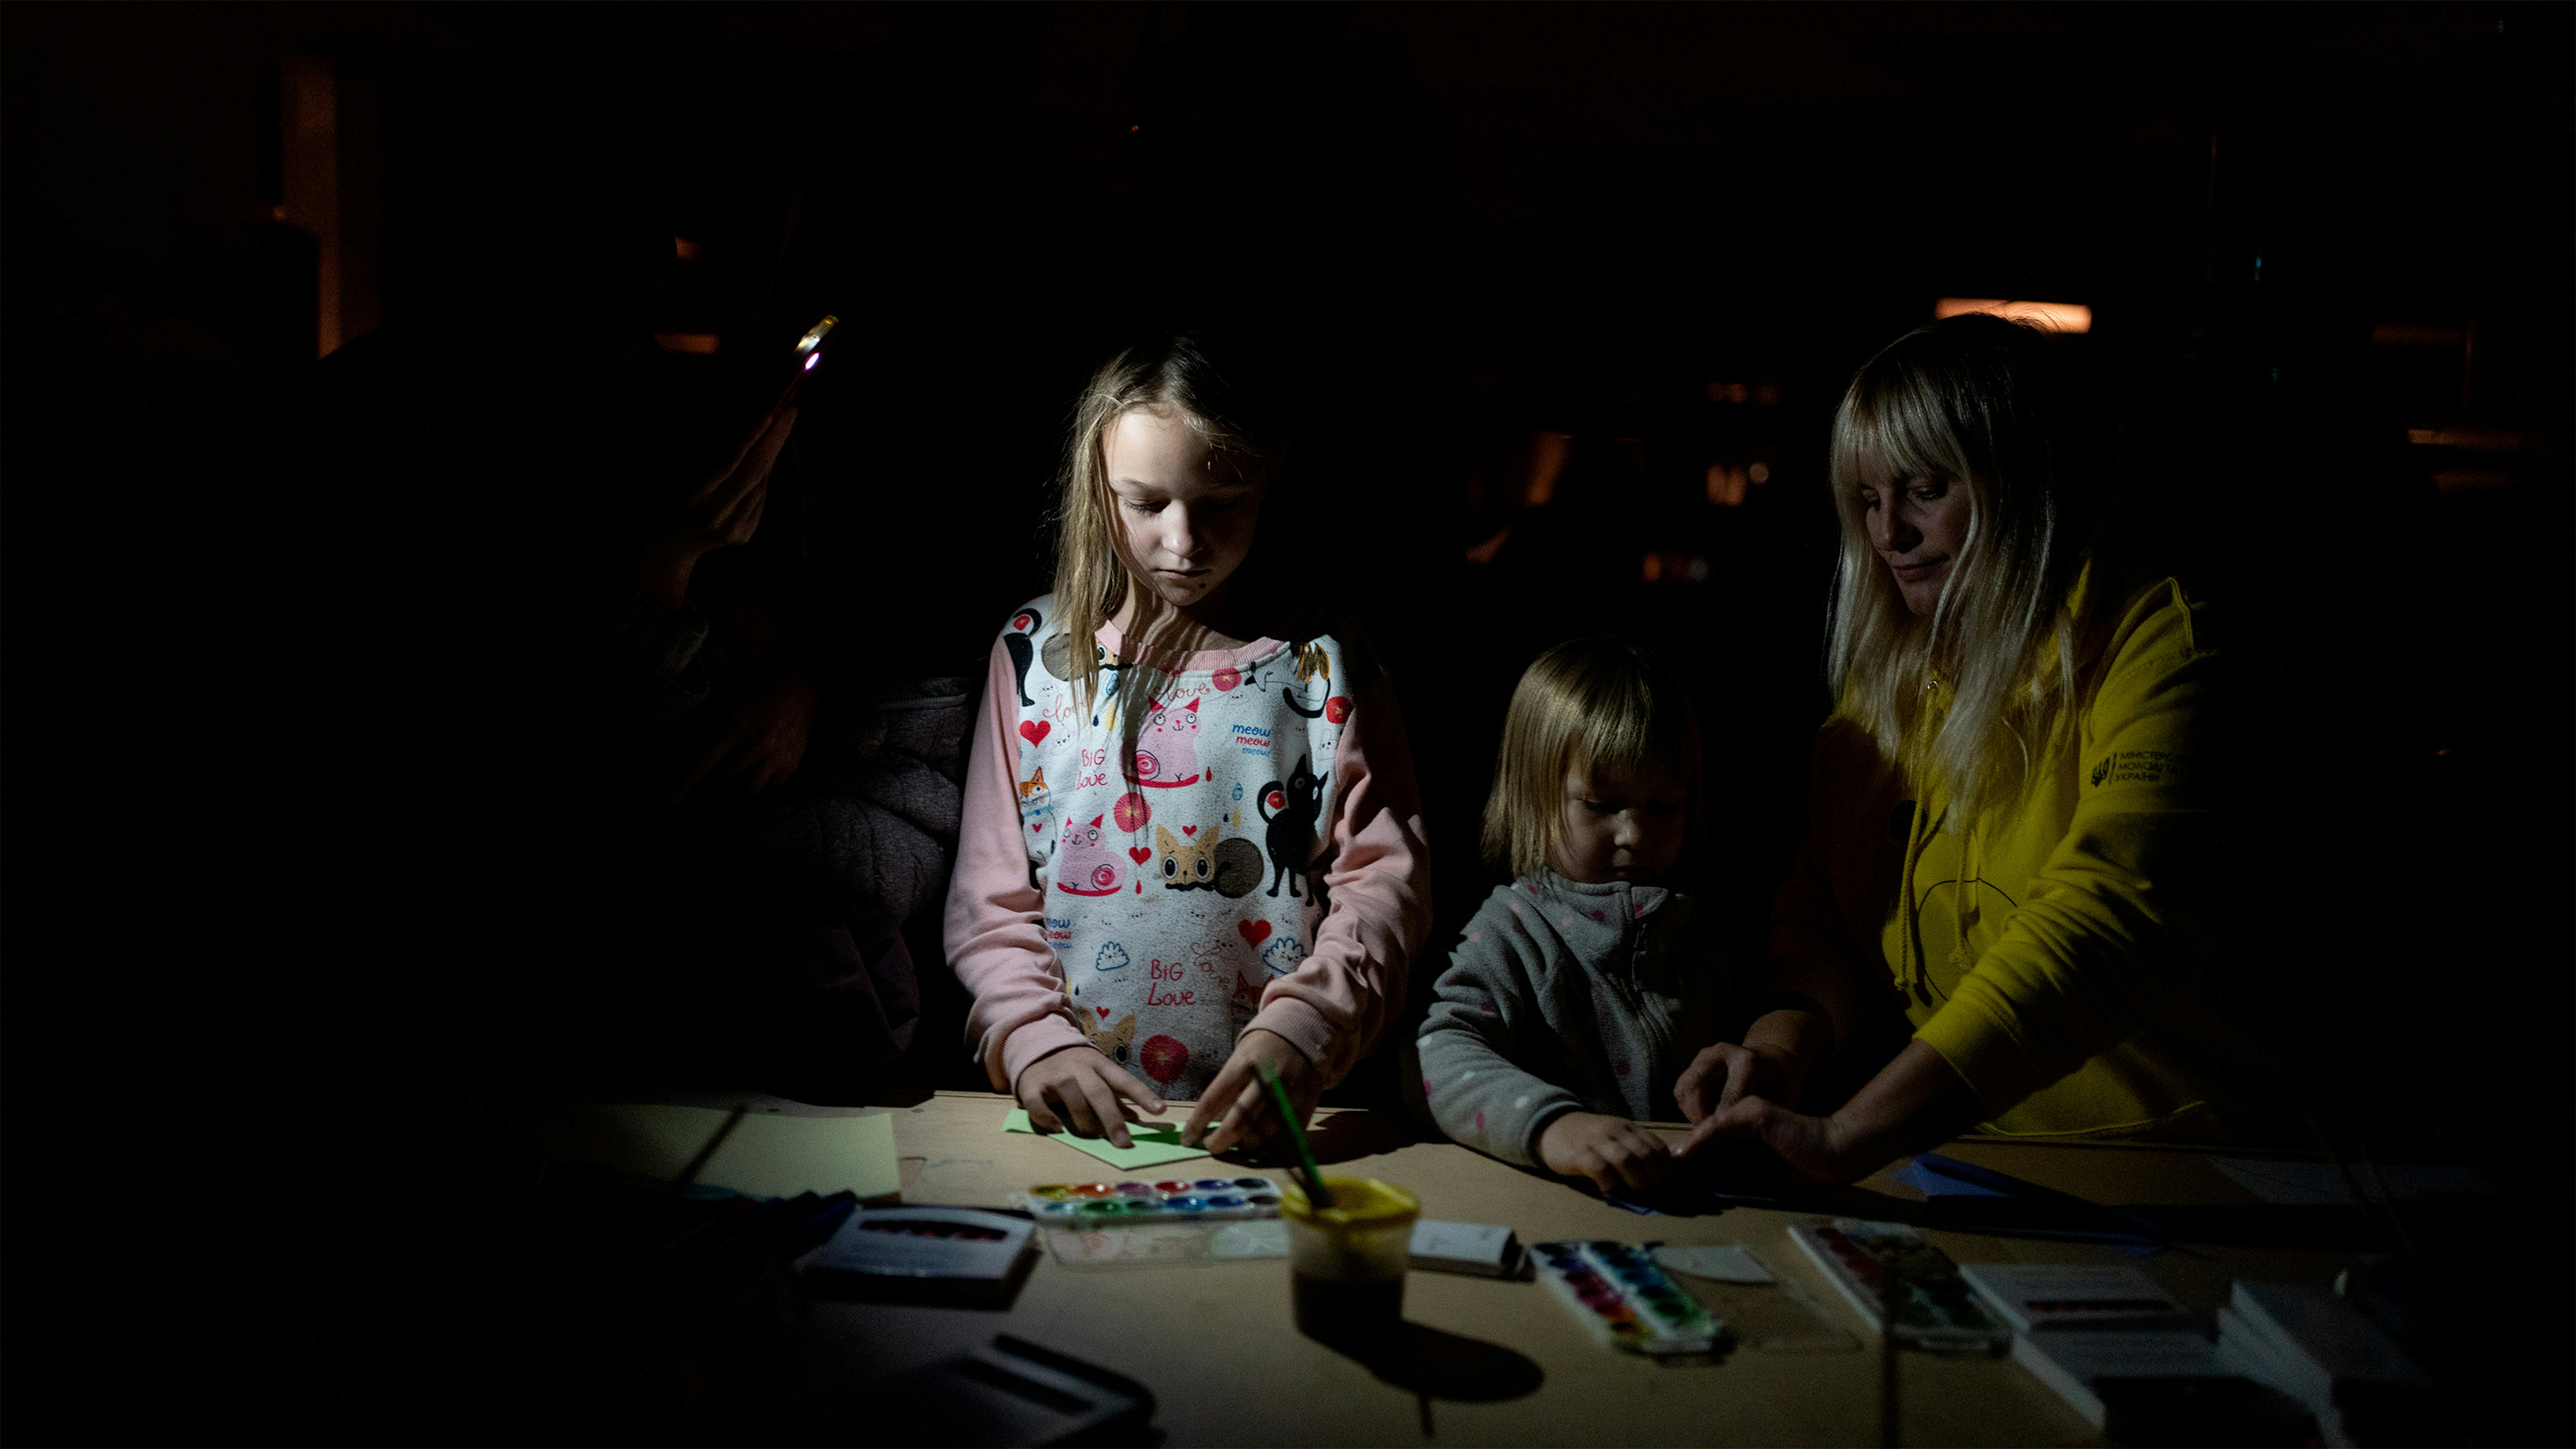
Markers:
point(995, 927)
point(1349, 988)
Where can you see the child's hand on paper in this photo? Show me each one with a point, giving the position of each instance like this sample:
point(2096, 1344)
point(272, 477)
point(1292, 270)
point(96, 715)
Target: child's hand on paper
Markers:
point(1615, 1153)
point(1239, 1093)
point(1077, 1088)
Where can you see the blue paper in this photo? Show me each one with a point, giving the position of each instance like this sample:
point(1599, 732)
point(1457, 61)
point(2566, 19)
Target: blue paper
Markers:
point(1933, 1184)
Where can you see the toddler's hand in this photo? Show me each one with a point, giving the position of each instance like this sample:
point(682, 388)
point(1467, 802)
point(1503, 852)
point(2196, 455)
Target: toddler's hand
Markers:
point(1615, 1153)
point(1079, 1088)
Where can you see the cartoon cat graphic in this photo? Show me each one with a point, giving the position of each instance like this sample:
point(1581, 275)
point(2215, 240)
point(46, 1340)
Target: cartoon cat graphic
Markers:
point(1034, 785)
point(1292, 831)
point(1083, 865)
point(1209, 861)
point(1186, 865)
point(1247, 1000)
point(1113, 1041)
point(1020, 645)
point(1167, 750)
point(1312, 663)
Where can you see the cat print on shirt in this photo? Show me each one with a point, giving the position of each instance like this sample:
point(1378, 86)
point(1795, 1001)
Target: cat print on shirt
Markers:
point(1292, 829)
point(1314, 662)
point(1114, 1042)
point(1204, 858)
point(1178, 854)
point(1167, 749)
point(1020, 644)
point(1186, 864)
point(1084, 865)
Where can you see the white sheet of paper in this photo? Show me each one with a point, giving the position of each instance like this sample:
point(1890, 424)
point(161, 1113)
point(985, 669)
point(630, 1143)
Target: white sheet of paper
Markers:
point(1480, 1243)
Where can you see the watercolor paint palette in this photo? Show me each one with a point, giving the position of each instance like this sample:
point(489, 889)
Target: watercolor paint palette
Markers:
point(1627, 1302)
point(1935, 1310)
point(1169, 1200)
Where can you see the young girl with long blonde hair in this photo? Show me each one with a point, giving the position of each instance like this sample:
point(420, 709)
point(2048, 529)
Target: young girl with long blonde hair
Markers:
point(1191, 845)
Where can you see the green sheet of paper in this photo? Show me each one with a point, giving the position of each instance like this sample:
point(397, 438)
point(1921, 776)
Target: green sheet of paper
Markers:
point(1156, 1142)
point(766, 1154)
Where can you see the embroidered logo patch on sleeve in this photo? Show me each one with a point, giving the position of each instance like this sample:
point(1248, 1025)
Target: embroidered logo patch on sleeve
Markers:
point(2136, 767)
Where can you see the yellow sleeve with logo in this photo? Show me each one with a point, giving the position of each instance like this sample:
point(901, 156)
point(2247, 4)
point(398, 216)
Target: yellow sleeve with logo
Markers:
point(2091, 951)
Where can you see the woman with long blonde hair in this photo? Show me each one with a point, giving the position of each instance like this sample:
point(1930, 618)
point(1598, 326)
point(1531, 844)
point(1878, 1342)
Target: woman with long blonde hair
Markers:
point(1190, 848)
point(2022, 758)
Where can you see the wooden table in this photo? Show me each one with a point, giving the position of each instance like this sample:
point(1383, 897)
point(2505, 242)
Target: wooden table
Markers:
point(1215, 1342)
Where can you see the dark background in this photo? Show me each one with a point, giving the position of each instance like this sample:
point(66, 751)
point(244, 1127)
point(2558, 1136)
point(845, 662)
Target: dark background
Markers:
point(1548, 282)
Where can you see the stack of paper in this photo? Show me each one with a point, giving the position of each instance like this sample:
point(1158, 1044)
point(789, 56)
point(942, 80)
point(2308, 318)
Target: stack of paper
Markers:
point(2033, 1296)
point(2079, 1363)
point(2104, 1334)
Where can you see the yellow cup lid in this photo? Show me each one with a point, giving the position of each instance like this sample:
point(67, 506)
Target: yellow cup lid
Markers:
point(1358, 1202)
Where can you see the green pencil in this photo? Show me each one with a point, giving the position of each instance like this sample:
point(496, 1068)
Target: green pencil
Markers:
point(1316, 1192)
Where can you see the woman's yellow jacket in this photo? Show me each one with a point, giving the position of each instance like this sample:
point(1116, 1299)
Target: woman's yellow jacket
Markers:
point(2058, 953)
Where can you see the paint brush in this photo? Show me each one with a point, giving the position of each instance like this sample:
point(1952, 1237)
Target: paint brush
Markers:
point(1316, 1193)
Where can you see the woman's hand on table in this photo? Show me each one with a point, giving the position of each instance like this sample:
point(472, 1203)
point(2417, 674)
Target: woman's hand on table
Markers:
point(1727, 1073)
point(1615, 1153)
point(1778, 1050)
point(1812, 1146)
point(1077, 1089)
point(1915, 1102)
point(1244, 1099)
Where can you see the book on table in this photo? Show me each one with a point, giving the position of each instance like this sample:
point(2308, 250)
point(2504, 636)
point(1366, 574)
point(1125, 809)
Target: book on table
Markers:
point(2032, 1296)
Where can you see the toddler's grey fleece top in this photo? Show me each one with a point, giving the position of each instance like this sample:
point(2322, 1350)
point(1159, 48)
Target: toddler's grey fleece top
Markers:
point(1566, 997)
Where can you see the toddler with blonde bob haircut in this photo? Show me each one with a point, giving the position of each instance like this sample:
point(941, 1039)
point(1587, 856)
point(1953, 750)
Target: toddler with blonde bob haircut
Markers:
point(1582, 989)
